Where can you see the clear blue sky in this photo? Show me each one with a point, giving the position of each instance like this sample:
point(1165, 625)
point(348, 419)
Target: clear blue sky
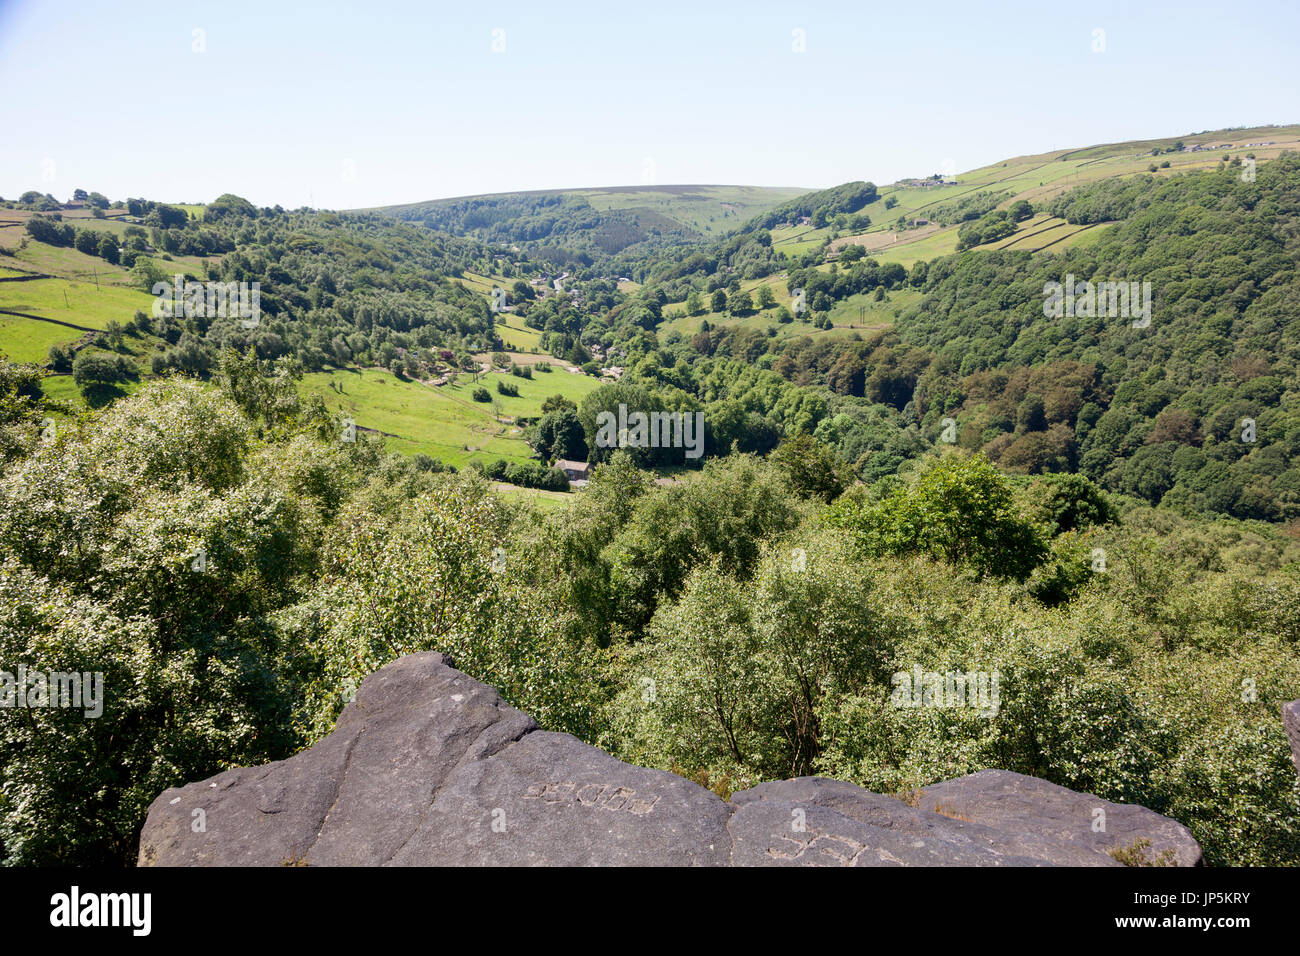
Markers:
point(367, 103)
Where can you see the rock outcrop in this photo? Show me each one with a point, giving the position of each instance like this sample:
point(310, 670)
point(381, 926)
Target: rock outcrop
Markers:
point(430, 767)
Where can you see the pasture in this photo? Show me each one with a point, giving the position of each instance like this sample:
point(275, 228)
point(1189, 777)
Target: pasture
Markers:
point(444, 421)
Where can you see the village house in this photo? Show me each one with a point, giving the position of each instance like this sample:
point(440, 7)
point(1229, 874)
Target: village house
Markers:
point(574, 470)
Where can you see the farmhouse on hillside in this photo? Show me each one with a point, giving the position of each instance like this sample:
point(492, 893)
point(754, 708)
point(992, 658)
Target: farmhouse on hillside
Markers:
point(574, 470)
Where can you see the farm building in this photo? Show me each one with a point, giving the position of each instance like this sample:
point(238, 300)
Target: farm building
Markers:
point(574, 470)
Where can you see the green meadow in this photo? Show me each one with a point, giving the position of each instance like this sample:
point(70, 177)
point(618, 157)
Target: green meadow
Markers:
point(77, 302)
point(483, 284)
point(532, 392)
point(864, 311)
point(80, 302)
point(66, 261)
point(516, 335)
point(711, 210)
point(539, 498)
point(444, 421)
point(930, 247)
point(29, 340)
point(510, 326)
point(1036, 178)
point(61, 388)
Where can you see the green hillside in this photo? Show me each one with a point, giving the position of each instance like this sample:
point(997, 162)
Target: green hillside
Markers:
point(444, 422)
point(1035, 178)
point(905, 457)
point(601, 220)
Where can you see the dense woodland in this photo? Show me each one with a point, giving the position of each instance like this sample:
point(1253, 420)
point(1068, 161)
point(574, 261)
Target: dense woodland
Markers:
point(1089, 520)
point(1156, 413)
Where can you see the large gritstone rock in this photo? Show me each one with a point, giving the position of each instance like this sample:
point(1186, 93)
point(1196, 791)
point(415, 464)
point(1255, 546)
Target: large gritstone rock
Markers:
point(1078, 825)
point(427, 766)
point(430, 767)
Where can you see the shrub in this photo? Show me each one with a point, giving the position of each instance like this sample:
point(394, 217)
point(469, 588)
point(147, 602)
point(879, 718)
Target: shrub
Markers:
point(94, 367)
point(960, 510)
point(60, 357)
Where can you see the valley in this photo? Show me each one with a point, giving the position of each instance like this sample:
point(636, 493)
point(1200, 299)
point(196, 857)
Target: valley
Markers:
point(907, 465)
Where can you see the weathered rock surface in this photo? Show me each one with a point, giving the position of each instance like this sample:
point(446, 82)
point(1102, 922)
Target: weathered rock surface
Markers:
point(1291, 721)
point(1065, 826)
point(430, 767)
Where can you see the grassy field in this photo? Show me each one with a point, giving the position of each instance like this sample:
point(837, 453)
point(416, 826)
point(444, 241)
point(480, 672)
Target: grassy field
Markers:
point(526, 358)
point(510, 326)
point(532, 392)
point(539, 498)
point(864, 311)
point(79, 303)
point(444, 422)
point(711, 210)
point(418, 418)
point(516, 335)
point(689, 325)
point(482, 284)
point(1085, 236)
point(794, 241)
point(1036, 178)
point(137, 349)
point(66, 261)
point(28, 340)
point(907, 253)
point(856, 313)
point(61, 388)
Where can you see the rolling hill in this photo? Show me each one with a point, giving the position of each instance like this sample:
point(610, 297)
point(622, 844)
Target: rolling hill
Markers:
point(1036, 179)
point(600, 220)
